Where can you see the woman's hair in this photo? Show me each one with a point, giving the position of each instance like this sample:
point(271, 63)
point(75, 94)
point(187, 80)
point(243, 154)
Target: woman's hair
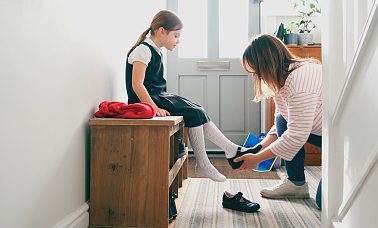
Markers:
point(268, 59)
point(166, 19)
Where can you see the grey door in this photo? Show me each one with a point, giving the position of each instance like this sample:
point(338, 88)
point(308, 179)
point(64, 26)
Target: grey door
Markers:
point(206, 67)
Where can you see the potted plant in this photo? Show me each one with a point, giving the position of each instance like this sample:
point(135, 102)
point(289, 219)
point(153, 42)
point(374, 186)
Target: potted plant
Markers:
point(289, 36)
point(306, 9)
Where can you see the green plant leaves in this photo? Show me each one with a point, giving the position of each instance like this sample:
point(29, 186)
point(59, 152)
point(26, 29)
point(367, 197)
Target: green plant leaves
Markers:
point(306, 8)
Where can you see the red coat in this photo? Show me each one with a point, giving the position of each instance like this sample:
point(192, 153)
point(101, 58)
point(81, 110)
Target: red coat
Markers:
point(114, 109)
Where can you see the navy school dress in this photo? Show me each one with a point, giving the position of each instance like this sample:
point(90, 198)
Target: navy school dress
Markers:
point(194, 114)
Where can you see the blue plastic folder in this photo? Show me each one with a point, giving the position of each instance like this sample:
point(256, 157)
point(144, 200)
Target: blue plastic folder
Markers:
point(266, 165)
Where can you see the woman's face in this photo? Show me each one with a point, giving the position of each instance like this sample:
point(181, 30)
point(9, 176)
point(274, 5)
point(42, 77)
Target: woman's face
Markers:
point(250, 69)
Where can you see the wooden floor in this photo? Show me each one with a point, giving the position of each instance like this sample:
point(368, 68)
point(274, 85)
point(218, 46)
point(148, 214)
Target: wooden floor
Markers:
point(281, 173)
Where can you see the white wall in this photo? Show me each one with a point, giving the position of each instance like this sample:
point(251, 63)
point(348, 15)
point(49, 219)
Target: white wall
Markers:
point(58, 60)
point(274, 12)
point(349, 134)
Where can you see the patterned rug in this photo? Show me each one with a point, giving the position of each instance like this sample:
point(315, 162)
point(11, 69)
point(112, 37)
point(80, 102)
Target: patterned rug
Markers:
point(202, 206)
point(223, 167)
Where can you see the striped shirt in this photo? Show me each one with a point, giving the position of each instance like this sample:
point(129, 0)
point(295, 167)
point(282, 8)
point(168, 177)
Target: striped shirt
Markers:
point(300, 104)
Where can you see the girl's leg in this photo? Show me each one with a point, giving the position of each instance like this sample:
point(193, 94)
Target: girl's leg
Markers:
point(203, 165)
point(217, 137)
point(295, 167)
point(231, 149)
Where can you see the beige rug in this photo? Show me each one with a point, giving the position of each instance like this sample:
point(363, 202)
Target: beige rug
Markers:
point(202, 206)
point(223, 167)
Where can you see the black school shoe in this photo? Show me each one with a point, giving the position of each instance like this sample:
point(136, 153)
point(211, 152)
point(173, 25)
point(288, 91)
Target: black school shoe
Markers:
point(172, 207)
point(239, 203)
point(181, 148)
point(236, 165)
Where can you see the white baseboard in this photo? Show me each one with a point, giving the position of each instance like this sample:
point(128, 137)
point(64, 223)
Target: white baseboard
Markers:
point(77, 219)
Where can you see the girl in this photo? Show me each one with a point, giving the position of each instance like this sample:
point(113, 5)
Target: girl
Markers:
point(296, 85)
point(145, 83)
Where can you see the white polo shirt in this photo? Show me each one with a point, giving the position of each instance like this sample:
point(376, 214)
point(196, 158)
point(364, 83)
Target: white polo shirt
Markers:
point(142, 53)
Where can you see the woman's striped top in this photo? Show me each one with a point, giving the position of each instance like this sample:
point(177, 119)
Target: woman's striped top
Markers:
point(300, 103)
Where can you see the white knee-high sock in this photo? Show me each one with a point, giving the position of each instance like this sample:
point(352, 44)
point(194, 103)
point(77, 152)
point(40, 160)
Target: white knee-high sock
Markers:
point(203, 164)
point(217, 137)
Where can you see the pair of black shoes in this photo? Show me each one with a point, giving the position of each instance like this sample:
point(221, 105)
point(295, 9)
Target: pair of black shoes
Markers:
point(236, 165)
point(239, 203)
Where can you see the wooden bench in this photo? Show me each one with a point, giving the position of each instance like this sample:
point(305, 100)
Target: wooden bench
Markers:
point(134, 165)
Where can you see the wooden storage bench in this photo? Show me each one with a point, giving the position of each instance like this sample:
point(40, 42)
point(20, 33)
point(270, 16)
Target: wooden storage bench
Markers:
point(134, 165)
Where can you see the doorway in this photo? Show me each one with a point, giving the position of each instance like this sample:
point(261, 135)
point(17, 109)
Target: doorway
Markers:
point(206, 66)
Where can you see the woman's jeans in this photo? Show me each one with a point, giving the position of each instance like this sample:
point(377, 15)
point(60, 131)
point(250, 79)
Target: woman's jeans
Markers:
point(295, 167)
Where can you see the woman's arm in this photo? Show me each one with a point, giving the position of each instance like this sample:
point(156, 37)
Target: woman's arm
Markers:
point(269, 139)
point(301, 111)
point(251, 161)
point(139, 71)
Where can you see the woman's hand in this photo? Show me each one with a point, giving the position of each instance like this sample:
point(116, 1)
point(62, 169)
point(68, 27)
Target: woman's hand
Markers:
point(250, 161)
point(162, 112)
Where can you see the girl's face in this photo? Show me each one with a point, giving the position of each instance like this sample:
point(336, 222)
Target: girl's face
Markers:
point(171, 39)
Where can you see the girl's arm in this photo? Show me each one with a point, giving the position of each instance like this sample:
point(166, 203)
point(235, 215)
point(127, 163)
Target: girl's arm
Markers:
point(139, 71)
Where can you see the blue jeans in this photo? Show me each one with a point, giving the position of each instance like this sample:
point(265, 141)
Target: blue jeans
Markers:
point(295, 167)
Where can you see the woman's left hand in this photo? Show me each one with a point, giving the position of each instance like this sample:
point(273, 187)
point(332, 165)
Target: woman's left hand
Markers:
point(250, 161)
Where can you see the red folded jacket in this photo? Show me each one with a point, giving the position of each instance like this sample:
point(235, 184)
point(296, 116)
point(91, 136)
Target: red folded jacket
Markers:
point(115, 109)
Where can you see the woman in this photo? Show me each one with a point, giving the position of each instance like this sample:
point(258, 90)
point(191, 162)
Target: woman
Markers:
point(296, 87)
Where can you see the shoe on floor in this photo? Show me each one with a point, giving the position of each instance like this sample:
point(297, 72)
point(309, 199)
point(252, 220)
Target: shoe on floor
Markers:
point(286, 189)
point(239, 203)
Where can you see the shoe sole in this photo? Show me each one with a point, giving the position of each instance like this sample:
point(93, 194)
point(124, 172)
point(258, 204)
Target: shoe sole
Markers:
point(285, 197)
point(255, 209)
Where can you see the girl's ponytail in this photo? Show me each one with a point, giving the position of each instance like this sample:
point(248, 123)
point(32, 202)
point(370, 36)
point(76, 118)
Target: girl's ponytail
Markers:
point(166, 19)
point(140, 39)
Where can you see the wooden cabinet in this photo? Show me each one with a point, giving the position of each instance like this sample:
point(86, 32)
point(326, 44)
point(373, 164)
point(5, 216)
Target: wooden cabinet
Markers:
point(313, 153)
point(134, 165)
point(307, 51)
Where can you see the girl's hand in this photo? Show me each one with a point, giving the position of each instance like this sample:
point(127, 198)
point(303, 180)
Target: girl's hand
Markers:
point(250, 161)
point(162, 112)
